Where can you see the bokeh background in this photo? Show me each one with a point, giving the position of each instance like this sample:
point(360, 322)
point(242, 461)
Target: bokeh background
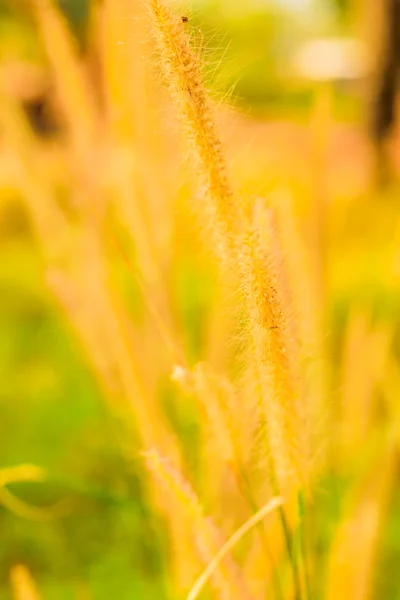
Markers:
point(298, 94)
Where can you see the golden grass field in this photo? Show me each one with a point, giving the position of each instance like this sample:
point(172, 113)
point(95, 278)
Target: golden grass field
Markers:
point(200, 325)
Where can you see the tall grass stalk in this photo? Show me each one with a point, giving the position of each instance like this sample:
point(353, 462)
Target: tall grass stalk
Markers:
point(220, 404)
point(226, 579)
point(234, 539)
point(259, 281)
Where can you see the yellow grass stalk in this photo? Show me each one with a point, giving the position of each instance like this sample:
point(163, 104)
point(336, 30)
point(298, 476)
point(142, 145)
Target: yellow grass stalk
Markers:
point(217, 398)
point(305, 320)
point(72, 87)
point(121, 42)
point(226, 579)
point(306, 308)
point(129, 191)
point(181, 67)
point(228, 446)
point(277, 378)
point(97, 314)
point(275, 351)
point(27, 172)
point(227, 547)
point(227, 436)
point(320, 126)
point(364, 363)
point(22, 584)
point(140, 198)
point(353, 552)
point(229, 429)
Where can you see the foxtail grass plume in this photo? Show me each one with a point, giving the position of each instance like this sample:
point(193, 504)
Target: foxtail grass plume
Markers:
point(259, 281)
point(181, 67)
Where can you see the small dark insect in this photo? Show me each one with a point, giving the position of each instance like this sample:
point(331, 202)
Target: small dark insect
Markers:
point(185, 19)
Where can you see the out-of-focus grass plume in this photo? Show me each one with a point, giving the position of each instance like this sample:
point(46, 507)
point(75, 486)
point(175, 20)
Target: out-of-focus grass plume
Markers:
point(198, 305)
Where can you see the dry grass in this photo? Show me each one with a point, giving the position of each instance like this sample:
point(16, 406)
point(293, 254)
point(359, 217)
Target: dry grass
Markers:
point(106, 193)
